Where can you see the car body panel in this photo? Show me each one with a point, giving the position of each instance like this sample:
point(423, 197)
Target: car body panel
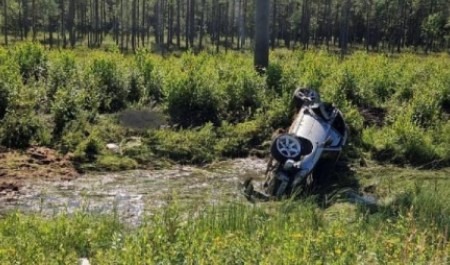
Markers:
point(321, 128)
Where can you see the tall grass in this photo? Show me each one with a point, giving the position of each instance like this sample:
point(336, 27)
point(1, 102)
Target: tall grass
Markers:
point(412, 230)
point(410, 93)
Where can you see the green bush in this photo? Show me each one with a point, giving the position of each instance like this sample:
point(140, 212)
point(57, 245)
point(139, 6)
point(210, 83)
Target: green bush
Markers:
point(110, 84)
point(196, 89)
point(65, 108)
point(242, 94)
point(276, 113)
point(74, 132)
point(274, 75)
point(425, 111)
point(10, 80)
point(441, 140)
point(136, 86)
point(89, 149)
point(185, 146)
point(32, 61)
point(237, 140)
point(20, 129)
point(403, 142)
point(192, 101)
point(151, 80)
point(141, 154)
point(63, 73)
point(115, 163)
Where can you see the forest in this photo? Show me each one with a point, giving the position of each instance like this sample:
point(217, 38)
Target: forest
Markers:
point(167, 25)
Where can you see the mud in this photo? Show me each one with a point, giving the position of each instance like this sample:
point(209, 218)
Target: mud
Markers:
point(134, 194)
point(39, 180)
point(35, 163)
point(373, 116)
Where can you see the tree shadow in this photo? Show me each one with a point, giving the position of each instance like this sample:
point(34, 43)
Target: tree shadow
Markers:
point(322, 186)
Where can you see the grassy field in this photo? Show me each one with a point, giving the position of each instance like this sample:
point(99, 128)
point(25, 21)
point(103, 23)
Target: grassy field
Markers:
point(198, 108)
point(215, 106)
point(411, 226)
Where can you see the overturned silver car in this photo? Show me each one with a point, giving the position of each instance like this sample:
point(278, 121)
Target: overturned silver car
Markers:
point(302, 157)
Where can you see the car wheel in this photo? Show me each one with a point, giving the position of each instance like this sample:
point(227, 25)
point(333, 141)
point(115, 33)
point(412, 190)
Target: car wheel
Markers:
point(299, 97)
point(286, 147)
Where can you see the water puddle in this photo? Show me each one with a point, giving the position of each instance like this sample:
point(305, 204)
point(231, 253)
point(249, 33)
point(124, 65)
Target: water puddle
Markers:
point(132, 194)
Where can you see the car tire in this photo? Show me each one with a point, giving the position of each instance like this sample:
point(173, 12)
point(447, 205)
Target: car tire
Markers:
point(298, 98)
point(286, 146)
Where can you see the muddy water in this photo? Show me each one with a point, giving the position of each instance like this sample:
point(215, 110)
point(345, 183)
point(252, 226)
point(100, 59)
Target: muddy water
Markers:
point(134, 194)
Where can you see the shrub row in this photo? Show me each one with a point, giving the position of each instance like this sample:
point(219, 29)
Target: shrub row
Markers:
point(57, 97)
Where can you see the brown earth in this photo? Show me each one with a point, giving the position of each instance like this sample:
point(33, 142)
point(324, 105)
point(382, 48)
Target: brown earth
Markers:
point(373, 116)
point(34, 163)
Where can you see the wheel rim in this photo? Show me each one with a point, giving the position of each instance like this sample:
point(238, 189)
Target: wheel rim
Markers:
point(288, 146)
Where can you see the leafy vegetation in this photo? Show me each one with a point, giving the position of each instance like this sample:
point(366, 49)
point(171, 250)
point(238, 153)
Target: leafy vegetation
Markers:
point(413, 228)
point(217, 106)
point(200, 108)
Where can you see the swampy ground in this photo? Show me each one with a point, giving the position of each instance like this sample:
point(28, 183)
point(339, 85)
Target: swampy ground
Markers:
point(197, 214)
point(186, 127)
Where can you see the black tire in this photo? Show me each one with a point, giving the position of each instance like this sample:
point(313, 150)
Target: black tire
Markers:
point(287, 139)
point(298, 97)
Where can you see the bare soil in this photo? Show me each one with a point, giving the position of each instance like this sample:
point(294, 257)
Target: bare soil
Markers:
point(373, 116)
point(34, 163)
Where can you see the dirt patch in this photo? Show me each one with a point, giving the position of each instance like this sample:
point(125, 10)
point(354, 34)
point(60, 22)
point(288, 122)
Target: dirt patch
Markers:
point(34, 163)
point(373, 116)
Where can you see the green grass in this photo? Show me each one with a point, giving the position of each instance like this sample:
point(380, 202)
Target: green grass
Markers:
point(81, 95)
point(280, 233)
point(411, 226)
point(77, 89)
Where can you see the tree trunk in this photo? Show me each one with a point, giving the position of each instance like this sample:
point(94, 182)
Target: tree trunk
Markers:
point(192, 28)
point(343, 38)
point(116, 27)
point(63, 25)
point(306, 18)
point(143, 26)
point(368, 8)
point(33, 19)
point(187, 20)
point(218, 20)
point(5, 20)
point(122, 26)
point(158, 26)
point(244, 23)
point(178, 24)
point(274, 24)
point(70, 23)
point(226, 24)
point(202, 25)
point(133, 24)
point(97, 23)
point(50, 32)
point(170, 10)
point(261, 56)
point(233, 21)
point(25, 27)
point(328, 24)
